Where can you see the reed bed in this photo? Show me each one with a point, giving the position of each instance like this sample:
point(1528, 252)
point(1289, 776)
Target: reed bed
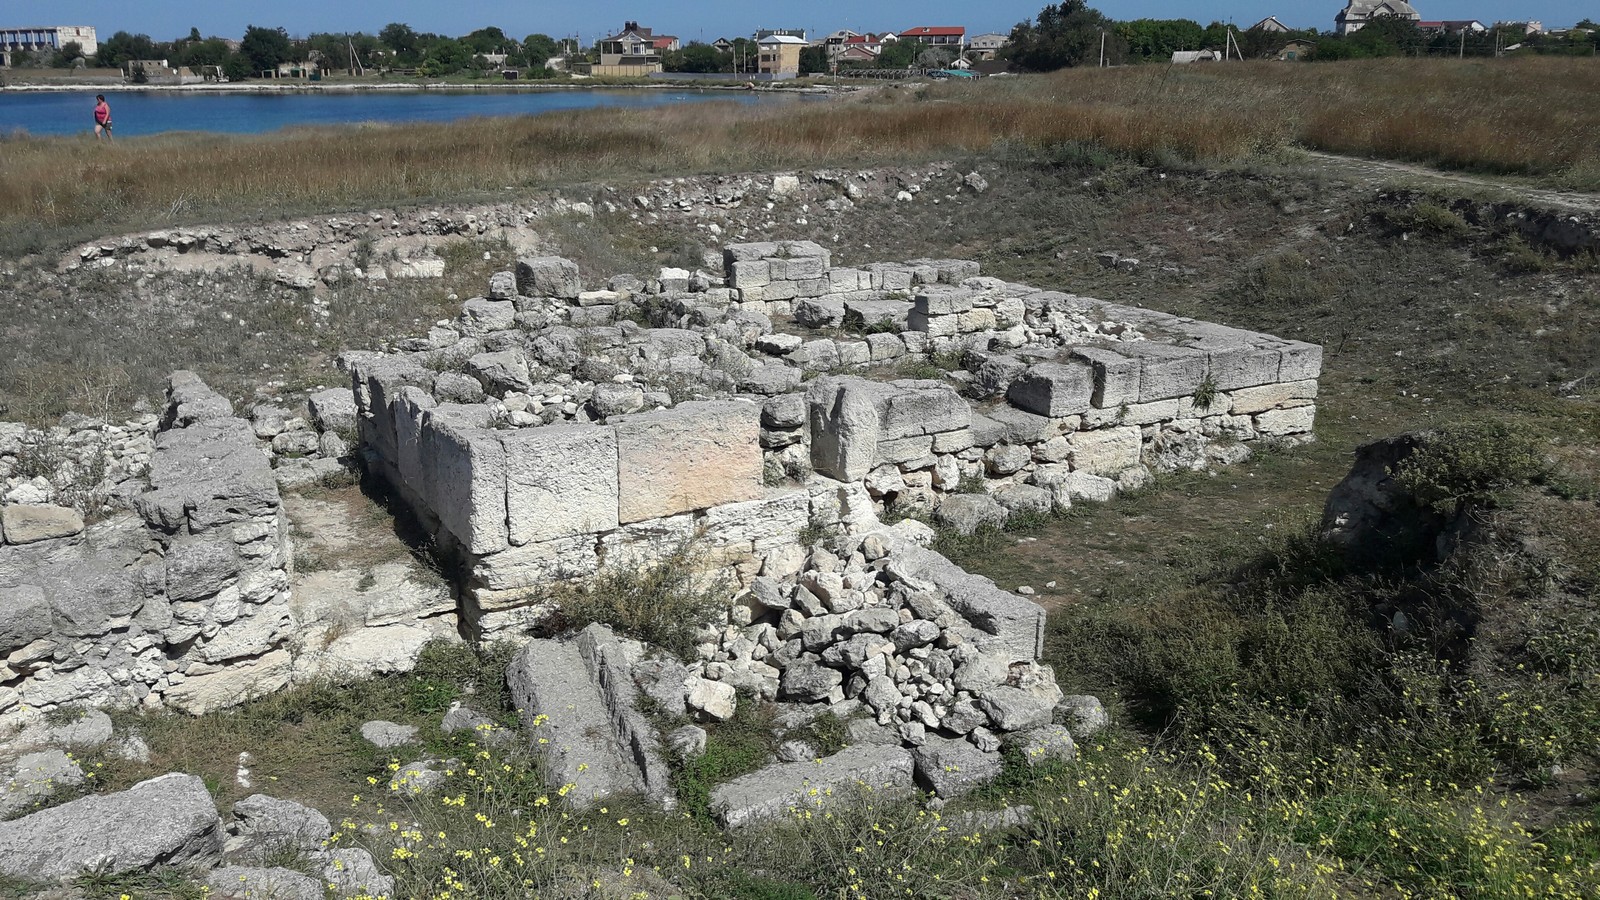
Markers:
point(1530, 117)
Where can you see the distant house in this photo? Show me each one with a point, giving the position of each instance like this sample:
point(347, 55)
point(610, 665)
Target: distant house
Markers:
point(858, 53)
point(1271, 25)
point(666, 43)
point(780, 55)
point(1358, 13)
point(159, 71)
point(1454, 26)
point(937, 36)
point(1183, 57)
point(987, 46)
point(1530, 27)
point(630, 52)
point(780, 32)
point(836, 41)
point(1297, 50)
point(723, 45)
point(48, 39)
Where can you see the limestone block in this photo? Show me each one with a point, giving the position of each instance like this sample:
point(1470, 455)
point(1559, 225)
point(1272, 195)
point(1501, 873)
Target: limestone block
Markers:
point(884, 347)
point(559, 559)
point(1020, 426)
point(854, 354)
point(842, 417)
point(1249, 401)
point(169, 820)
point(27, 524)
point(333, 410)
point(775, 791)
point(975, 320)
point(1281, 422)
point(950, 768)
point(1300, 362)
point(732, 253)
point(768, 523)
point(749, 273)
point(1240, 367)
point(1105, 451)
point(1167, 371)
point(465, 472)
point(505, 370)
point(238, 681)
point(693, 456)
point(1116, 377)
point(819, 313)
point(548, 276)
point(196, 569)
point(561, 480)
point(1054, 390)
point(480, 315)
point(24, 616)
point(942, 300)
point(904, 450)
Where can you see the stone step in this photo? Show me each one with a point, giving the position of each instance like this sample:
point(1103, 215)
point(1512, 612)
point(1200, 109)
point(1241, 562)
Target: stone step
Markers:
point(774, 791)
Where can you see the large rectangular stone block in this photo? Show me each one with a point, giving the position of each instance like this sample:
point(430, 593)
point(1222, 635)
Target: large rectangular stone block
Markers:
point(842, 418)
point(1167, 371)
point(561, 480)
point(942, 300)
point(1105, 451)
point(1054, 390)
point(1248, 401)
point(733, 253)
point(912, 407)
point(548, 276)
point(1280, 422)
point(409, 409)
point(1239, 367)
point(752, 273)
point(539, 563)
point(692, 456)
point(465, 471)
point(1116, 377)
point(1301, 362)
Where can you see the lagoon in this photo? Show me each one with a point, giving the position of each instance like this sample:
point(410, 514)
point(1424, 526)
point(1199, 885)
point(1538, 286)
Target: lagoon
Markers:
point(145, 112)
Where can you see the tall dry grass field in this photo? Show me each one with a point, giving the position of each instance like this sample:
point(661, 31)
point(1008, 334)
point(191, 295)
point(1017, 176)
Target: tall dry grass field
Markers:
point(1534, 117)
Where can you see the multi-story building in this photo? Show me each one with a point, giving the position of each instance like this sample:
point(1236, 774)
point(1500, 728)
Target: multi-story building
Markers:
point(953, 37)
point(780, 54)
point(985, 46)
point(1358, 13)
point(631, 52)
point(48, 38)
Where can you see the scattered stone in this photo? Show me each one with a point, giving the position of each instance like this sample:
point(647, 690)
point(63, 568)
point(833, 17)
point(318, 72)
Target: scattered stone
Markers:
point(388, 735)
point(951, 768)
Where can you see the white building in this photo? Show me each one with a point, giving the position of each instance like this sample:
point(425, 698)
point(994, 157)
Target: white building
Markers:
point(1358, 13)
point(985, 46)
point(49, 38)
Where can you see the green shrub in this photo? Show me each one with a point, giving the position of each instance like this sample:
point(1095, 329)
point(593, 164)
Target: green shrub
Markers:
point(662, 602)
point(1471, 464)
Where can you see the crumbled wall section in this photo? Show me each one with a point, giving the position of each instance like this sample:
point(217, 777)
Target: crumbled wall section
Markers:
point(182, 603)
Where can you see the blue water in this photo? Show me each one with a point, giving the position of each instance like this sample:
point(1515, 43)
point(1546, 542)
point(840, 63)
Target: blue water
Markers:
point(152, 112)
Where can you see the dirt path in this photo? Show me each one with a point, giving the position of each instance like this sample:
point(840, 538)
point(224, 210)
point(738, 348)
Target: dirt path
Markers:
point(1379, 171)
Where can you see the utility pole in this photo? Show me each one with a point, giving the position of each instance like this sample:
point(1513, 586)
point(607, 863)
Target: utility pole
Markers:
point(1462, 54)
point(1102, 48)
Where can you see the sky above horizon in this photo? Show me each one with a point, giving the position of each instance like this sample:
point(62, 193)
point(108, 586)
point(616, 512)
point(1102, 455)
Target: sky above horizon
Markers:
point(690, 20)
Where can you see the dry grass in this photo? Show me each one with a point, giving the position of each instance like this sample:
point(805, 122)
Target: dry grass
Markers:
point(1510, 116)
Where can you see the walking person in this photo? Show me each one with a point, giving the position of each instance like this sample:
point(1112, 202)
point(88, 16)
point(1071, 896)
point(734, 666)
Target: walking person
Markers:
point(102, 118)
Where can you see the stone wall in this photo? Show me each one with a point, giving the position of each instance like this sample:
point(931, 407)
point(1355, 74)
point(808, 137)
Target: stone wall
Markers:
point(548, 432)
point(180, 601)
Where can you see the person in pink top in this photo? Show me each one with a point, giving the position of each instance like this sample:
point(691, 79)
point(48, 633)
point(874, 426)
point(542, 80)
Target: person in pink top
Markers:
point(102, 118)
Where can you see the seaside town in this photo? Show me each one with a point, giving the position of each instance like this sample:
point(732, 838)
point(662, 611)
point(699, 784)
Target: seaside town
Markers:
point(1362, 29)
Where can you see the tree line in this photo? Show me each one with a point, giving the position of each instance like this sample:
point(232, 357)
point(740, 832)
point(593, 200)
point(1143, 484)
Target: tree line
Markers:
point(1073, 33)
point(263, 49)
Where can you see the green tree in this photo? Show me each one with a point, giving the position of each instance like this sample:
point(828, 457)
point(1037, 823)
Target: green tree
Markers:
point(814, 61)
point(265, 48)
point(698, 57)
point(209, 52)
point(236, 67)
point(70, 52)
point(540, 49)
point(446, 57)
point(900, 54)
point(194, 36)
point(122, 46)
point(402, 41)
point(1064, 35)
point(488, 40)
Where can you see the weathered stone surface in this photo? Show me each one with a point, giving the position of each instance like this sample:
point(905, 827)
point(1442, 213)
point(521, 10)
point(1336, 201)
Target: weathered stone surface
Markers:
point(1249, 401)
point(26, 524)
point(843, 422)
point(951, 768)
point(1028, 699)
point(1105, 451)
point(388, 735)
point(967, 512)
point(265, 826)
point(169, 820)
point(1282, 422)
point(24, 615)
point(333, 410)
point(190, 400)
point(561, 480)
point(232, 684)
point(713, 699)
point(1167, 371)
point(548, 276)
point(1046, 743)
point(690, 457)
point(1054, 390)
point(206, 475)
point(1018, 624)
point(769, 793)
point(465, 471)
point(1082, 714)
point(1116, 377)
point(274, 883)
point(35, 778)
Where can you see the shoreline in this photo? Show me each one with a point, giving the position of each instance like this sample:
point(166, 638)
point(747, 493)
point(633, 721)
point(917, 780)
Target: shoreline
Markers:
point(505, 87)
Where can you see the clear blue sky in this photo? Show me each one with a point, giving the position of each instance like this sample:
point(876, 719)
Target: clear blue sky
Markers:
point(696, 20)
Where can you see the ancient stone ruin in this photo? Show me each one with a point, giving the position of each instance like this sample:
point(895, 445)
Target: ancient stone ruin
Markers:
point(797, 423)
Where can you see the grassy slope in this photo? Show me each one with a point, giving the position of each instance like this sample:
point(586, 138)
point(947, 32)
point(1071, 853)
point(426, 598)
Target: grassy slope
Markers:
point(1524, 116)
